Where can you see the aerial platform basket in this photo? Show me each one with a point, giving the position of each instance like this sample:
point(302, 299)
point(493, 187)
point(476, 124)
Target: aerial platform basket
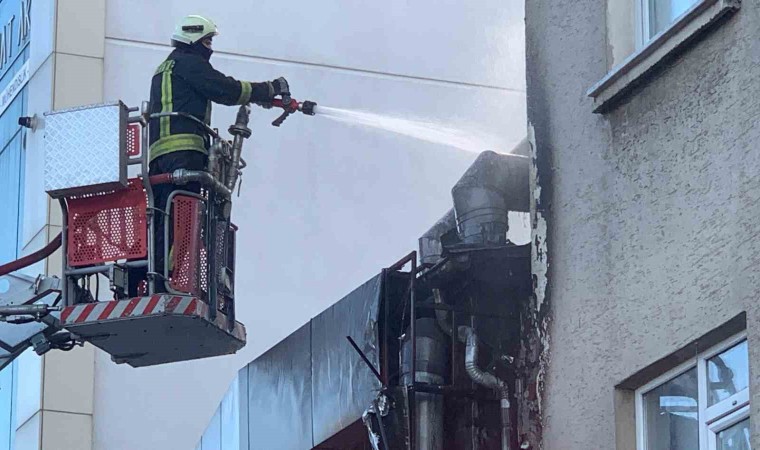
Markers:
point(97, 168)
point(129, 330)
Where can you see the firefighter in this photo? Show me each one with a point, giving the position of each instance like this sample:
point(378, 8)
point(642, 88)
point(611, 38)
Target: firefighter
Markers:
point(186, 82)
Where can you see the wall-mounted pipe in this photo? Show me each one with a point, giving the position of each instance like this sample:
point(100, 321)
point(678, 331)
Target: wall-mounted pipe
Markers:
point(486, 379)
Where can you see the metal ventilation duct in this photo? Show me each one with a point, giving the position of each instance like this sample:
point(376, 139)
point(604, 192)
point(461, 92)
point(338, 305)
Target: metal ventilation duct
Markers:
point(430, 242)
point(493, 185)
point(313, 384)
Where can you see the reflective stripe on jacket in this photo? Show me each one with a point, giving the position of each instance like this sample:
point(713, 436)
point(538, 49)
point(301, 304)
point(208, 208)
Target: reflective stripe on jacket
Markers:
point(186, 82)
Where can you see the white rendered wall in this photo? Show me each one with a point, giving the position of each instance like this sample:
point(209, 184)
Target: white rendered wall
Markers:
point(54, 394)
point(324, 206)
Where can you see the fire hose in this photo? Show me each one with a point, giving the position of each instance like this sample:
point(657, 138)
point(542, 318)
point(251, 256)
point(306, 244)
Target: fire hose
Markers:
point(31, 258)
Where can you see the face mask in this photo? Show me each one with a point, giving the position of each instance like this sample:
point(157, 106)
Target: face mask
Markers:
point(203, 50)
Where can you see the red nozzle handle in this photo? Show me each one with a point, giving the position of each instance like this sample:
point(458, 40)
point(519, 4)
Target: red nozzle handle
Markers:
point(292, 106)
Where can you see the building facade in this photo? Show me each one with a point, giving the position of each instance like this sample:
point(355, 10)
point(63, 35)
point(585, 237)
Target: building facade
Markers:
point(642, 116)
point(46, 402)
point(14, 74)
point(322, 205)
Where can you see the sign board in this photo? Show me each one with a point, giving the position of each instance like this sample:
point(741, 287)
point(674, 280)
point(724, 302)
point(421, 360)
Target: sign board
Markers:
point(15, 31)
point(15, 86)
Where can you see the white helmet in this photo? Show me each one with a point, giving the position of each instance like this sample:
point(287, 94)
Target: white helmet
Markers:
point(192, 29)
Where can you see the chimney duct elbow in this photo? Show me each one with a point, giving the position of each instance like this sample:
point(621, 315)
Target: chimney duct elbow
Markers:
point(486, 379)
point(493, 185)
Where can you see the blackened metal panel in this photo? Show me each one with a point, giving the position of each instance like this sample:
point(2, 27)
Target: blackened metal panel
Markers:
point(279, 395)
point(343, 385)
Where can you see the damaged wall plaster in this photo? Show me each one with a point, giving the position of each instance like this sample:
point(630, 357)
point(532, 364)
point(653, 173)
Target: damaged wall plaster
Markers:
point(534, 352)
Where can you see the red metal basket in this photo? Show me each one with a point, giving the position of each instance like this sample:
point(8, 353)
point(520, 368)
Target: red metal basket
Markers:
point(188, 255)
point(108, 227)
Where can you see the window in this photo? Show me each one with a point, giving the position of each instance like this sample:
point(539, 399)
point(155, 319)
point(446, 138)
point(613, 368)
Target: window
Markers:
point(703, 404)
point(657, 16)
point(643, 33)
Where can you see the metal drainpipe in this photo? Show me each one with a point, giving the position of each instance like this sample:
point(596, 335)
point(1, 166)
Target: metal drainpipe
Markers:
point(486, 379)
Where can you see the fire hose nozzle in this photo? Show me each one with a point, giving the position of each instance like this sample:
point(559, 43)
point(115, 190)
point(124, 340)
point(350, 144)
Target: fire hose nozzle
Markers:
point(307, 107)
point(291, 105)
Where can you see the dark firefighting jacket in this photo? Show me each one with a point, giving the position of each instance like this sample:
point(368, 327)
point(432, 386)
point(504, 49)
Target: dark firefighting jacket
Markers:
point(186, 82)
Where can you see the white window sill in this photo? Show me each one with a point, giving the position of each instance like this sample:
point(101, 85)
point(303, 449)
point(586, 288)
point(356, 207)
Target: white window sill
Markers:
point(626, 75)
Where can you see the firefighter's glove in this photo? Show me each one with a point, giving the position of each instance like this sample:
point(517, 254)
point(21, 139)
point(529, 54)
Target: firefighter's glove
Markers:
point(280, 86)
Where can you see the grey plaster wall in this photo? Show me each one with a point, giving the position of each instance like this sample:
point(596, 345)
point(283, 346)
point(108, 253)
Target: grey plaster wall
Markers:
point(653, 211)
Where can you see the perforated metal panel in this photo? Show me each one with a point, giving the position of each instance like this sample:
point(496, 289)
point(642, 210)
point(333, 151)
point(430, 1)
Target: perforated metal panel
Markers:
point(108, 227)
point(219, 259)
point(188, 262)
point(133, 139)
point(203, 272)
point(226, 259)
point(85, 149)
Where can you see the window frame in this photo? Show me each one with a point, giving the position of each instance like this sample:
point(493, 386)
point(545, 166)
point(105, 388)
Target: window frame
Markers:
point(643, 21)
point(724, 423)
point(712, 419)
point(649, 53)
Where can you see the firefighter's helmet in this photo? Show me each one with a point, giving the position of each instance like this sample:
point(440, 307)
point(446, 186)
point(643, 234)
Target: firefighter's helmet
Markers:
point(192, 29)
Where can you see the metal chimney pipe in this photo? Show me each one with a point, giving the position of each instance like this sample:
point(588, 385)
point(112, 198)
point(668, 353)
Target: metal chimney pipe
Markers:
point(432, 358)
point(493, 185)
